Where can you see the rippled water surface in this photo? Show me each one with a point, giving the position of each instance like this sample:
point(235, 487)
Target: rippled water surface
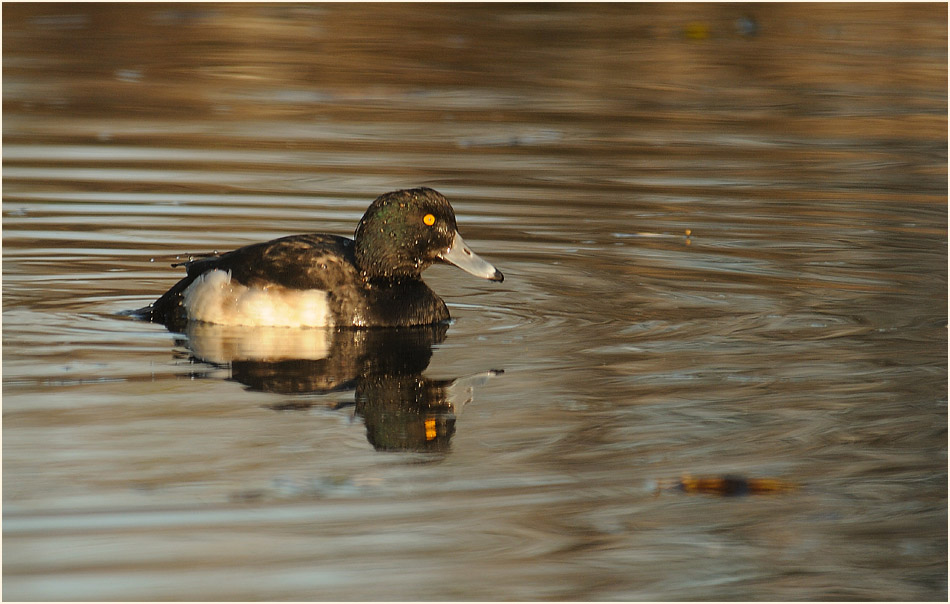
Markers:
point(724, 235)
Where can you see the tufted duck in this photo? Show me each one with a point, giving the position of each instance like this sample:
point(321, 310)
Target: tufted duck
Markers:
point(373, 280)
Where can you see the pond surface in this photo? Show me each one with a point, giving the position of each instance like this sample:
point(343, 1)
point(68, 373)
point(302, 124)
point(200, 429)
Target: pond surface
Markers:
point(724, 236)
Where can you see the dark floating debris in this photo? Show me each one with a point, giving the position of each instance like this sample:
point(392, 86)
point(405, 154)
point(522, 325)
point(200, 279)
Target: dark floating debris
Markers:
point(728, 485)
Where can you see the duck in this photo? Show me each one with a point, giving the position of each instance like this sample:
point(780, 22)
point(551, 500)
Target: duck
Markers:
point(324, 280)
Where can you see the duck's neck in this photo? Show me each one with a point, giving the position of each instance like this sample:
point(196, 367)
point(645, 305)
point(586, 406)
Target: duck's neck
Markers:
point(379, 266)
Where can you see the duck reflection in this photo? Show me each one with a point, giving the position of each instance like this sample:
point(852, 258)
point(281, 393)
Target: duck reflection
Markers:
point(402, 409)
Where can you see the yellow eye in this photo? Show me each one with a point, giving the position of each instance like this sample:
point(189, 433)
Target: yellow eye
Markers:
point(429, 219)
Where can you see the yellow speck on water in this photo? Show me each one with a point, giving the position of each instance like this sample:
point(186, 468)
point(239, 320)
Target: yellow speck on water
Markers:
point(689, 232)
point(697, 31)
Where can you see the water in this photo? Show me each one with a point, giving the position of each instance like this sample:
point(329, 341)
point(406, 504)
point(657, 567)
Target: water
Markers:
point(723, 231)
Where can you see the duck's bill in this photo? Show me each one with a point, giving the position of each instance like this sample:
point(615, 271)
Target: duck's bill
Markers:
point(463, 257)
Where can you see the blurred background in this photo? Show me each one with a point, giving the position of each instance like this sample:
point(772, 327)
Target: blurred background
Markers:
point(723, 229)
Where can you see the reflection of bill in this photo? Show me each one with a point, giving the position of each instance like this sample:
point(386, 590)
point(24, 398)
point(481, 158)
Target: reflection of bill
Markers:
point(402, 409)
point(413, 413)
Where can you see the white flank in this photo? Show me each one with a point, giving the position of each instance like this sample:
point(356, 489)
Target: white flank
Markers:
point(214, 298)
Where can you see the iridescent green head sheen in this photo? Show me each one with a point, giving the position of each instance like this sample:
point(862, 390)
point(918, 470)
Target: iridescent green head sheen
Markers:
point(405, 232)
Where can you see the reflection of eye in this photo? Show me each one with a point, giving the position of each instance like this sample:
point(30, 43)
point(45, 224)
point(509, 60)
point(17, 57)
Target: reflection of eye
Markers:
point(429, 219)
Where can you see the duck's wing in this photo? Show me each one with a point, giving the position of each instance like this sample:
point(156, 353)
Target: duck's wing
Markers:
point(313, 261)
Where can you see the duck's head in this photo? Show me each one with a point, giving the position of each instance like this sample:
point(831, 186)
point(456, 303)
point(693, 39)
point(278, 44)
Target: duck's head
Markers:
point(404, 232)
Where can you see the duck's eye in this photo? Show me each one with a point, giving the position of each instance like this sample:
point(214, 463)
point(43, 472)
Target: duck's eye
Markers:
point(428, 219)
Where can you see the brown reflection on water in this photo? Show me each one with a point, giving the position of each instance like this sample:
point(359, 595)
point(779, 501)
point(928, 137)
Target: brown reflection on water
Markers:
point(616, 69)
point(797, 335)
